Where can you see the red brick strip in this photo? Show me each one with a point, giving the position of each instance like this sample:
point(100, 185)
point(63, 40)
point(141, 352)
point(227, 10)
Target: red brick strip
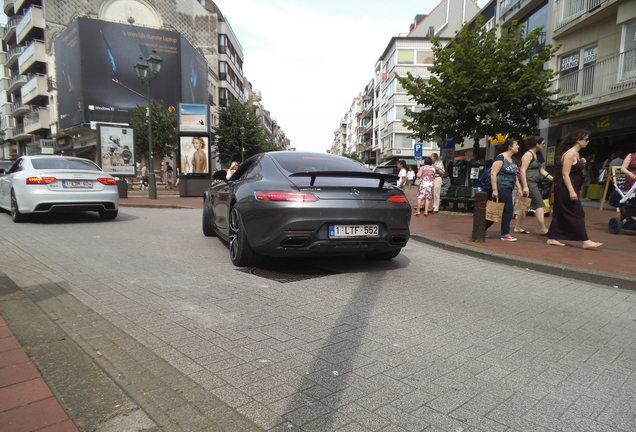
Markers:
point(26, 402)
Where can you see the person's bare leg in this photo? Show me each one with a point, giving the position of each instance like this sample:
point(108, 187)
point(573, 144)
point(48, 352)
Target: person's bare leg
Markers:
point(426, 203)
point(540, 214)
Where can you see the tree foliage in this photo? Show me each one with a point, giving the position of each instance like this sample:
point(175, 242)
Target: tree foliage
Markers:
point(483, 84)
point(353, 155)
point(231, 141)
point(164, 130)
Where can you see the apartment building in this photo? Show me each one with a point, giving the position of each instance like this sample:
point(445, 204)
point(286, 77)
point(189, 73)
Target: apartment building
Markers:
point(275, 133)
point(38, 114)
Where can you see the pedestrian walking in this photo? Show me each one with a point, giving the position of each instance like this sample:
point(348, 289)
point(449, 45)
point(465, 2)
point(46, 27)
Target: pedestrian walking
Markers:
point(440, 173)
point(426, 174)
point(401, 165)
point(410, 175)
point(503, 179)
point(169, 175)
point(144, 177)
point(532, 174)
point(568, 217)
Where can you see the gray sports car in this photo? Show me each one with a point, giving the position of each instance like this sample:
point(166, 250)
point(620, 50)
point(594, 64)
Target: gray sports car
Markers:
point(296, 203)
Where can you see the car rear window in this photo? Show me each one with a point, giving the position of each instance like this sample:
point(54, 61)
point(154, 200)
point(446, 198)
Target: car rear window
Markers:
point(293, 163)
point(61, 163)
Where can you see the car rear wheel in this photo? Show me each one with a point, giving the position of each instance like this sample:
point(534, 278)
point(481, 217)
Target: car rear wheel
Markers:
point(241, 252)
point(15, 212)
point(108, 214)
point(384, 256)
point(208, 217)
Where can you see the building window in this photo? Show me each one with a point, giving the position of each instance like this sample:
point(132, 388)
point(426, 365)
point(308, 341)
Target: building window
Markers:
point(628, 50)
point(403, 141)
point(424, 57)
point(405, 56)
point(576, 71)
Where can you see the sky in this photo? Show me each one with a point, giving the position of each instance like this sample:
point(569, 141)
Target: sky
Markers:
point(310, 58)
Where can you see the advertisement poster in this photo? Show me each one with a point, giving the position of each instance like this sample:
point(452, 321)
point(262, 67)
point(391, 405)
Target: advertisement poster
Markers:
point(193, 118)
point(106, 52)
point(194, 155)
point(116, 150)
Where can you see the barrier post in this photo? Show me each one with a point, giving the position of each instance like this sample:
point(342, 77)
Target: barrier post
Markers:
point(479, 217)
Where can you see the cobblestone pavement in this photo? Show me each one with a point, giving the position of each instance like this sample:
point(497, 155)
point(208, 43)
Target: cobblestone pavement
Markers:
point(431, 341)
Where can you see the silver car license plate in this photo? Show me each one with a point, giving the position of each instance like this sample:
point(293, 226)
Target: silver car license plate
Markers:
point(77, 184)
point(349, 231)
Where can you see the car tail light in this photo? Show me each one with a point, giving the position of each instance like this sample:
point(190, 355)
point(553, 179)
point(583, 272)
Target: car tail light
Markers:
point(284, 196)
point(40, 180)
point(107, 181)
point(398, 199)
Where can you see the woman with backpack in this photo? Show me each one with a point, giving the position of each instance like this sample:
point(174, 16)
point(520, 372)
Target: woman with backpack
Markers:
point(503, 178)
point(532, 174)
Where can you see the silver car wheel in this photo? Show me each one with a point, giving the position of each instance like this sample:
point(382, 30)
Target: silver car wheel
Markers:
point(234, 233)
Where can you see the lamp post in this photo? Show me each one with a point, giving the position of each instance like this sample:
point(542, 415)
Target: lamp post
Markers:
point(242, 144)
point(147, 70)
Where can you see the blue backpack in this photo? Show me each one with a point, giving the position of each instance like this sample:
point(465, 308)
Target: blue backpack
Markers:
point(484, 181)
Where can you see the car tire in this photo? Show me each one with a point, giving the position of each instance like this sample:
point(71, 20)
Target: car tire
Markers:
point(206, 222)
point(383, 256)
point(16, 216)
point(108, 214)
point(241, 253)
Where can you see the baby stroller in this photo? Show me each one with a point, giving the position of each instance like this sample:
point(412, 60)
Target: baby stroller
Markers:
point(626, 203)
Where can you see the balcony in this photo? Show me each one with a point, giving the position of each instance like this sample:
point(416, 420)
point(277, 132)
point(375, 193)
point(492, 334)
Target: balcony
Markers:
point(568, 11)
point(19, 134)
point(606, 78)
point(16, 81)
point(35, 87)
point(8, 7)
point(33, 18)
point(33, 53)
point(36, 120)
point(13, 54)
point(511, 10)
point(4, 83)
point(9, 29)
point(17, 108)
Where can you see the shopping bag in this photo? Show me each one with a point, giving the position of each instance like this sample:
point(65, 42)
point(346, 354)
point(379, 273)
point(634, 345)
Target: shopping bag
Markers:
point(547, 206)
point(523, 204)
point(494, 210)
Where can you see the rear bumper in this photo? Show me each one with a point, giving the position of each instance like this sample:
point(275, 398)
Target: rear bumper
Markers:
point(44, 201)
point(304, 230)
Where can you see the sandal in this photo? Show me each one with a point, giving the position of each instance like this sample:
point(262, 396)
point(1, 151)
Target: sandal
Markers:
point(521, 231)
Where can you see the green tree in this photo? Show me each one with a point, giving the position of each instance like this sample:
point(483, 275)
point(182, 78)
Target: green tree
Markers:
point(240, 133)
point(482, 85)
point(353, 155)
point(164, 130)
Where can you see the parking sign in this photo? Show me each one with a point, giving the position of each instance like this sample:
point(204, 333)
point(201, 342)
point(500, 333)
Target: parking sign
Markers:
point(417, 150)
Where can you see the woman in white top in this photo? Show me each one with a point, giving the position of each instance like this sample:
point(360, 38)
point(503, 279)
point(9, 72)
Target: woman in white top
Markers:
point(232, 169)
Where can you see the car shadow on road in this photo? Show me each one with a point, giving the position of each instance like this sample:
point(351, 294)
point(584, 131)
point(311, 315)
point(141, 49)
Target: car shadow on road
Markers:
point(329, 383)
point(81, 217)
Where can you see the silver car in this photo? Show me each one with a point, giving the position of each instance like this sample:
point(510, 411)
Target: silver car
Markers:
point(46, 184)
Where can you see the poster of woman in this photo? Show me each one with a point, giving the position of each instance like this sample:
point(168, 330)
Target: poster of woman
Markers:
point(194, 155)
point(116, 150)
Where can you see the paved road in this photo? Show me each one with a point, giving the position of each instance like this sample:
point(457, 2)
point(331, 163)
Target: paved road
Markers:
point(430, 341)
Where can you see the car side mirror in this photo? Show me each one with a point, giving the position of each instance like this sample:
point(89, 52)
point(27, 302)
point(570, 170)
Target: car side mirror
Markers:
point(219, 175)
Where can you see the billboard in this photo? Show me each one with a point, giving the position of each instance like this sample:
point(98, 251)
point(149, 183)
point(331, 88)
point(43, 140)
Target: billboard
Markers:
point(194, 74)
point(193, 118)
point(116, 149)
point(95, 63)
point(194, 155)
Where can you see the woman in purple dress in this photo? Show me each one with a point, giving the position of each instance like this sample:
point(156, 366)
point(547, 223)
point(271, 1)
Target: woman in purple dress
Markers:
point(426, 175)
point(568, 217)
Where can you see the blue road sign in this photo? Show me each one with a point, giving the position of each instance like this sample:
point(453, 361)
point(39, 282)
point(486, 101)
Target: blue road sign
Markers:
point(417, 150)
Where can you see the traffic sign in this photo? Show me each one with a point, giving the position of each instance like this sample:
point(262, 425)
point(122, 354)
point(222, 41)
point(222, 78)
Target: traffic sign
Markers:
point(417, 150)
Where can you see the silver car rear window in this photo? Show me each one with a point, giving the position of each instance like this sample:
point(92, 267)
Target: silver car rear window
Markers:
point(62, 163)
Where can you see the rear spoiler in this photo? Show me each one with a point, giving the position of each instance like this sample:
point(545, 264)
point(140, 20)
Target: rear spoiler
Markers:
point(350, 174)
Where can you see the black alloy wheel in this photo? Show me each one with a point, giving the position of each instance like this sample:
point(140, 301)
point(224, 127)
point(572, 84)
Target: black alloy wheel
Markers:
point(241, 252)
point(15, 212)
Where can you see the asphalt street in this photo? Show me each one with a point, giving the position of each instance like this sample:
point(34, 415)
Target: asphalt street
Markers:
point(431, 341)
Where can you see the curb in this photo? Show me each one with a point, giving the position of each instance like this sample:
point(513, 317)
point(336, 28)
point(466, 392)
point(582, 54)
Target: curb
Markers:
point(171, 206)
point(614, 280)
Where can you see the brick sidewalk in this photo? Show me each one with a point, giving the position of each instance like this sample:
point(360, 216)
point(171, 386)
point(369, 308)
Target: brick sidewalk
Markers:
point(26, 402)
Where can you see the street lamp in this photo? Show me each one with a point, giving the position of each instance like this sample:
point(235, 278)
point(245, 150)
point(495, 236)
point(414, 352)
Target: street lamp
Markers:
point(147, 70)
point(242, 144)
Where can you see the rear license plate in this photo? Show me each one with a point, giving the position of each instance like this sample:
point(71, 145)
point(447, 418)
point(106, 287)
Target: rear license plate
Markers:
point(77, 184)
point(348, 231)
